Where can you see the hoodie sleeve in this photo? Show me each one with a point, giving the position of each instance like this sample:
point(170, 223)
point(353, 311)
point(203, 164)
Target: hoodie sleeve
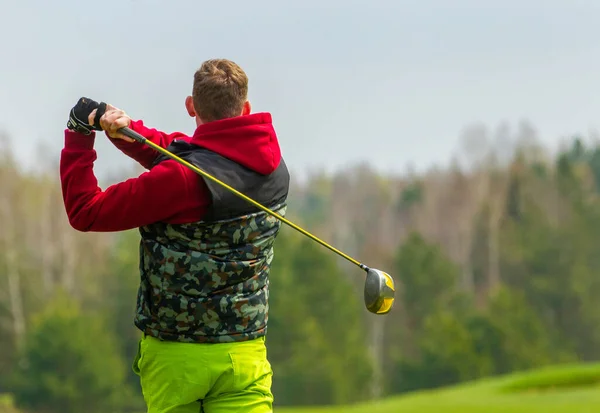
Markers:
point(133, 203)
point(141, 153)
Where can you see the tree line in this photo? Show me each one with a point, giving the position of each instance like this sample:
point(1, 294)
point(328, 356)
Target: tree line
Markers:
point(495, 263)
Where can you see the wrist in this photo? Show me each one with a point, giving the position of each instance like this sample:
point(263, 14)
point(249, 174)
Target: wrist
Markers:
point(135, 125)
point(76, 140)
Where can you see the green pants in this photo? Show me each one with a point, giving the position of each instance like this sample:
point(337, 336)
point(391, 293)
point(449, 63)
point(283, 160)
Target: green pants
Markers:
point(207, 378)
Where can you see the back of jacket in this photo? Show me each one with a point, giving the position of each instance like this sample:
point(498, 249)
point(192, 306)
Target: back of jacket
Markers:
point(208, 281)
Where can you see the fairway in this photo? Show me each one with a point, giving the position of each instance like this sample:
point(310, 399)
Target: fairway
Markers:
point(572, 389)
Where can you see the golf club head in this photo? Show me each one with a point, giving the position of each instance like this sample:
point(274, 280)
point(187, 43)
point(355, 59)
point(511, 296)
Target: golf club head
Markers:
point(379, 291)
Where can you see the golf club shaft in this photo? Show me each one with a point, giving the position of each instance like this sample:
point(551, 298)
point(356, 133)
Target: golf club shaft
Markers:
point(139, 138)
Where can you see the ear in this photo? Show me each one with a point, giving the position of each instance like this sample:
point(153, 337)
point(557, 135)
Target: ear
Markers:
point(247, 108)
point(189, 106)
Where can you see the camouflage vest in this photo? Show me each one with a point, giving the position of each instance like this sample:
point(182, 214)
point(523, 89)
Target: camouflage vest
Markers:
point(208, 281)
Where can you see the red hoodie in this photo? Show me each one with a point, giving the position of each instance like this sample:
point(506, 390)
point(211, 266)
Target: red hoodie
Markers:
point(168, 192)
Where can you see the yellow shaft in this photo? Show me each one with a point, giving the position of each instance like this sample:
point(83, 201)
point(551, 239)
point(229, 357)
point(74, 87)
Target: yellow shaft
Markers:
point(258, 205)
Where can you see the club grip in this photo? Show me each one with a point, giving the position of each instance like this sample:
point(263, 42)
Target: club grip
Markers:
point(132, 134)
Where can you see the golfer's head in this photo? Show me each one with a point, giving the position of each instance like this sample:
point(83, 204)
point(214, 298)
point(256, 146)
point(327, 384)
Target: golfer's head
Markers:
point(220, 91)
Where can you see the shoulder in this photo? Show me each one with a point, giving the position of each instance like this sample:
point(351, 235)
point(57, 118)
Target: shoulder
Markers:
point(178, 176)
point(172, 168)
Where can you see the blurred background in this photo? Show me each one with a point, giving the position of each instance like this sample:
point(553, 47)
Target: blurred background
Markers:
point(452, 143)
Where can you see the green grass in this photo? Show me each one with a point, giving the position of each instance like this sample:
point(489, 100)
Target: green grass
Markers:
point(562, 389)
point(550, 379)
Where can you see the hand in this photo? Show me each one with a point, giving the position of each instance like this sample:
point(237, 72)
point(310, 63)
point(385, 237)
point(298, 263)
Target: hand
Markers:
point(80, 115)
point(111, 121)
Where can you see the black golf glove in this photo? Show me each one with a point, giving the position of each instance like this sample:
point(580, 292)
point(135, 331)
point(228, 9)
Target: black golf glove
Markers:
point(78, 117)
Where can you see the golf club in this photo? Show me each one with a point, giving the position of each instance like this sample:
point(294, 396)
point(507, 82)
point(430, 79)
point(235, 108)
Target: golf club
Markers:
point(379, 288)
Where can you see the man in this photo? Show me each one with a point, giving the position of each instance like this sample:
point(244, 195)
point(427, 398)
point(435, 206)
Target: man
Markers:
point(205, 254)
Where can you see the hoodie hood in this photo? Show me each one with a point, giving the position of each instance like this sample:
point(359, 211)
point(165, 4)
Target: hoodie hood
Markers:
point(248, 140)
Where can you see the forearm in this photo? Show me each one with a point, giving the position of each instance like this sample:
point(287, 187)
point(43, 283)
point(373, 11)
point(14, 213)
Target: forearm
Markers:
point(78, 182)
point(143, 153)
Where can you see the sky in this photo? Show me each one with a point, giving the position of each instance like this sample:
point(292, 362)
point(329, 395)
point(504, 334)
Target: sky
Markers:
point(391, 83)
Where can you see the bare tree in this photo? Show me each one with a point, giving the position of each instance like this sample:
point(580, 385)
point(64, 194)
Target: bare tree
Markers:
point(9, 241)
point(46, 235)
